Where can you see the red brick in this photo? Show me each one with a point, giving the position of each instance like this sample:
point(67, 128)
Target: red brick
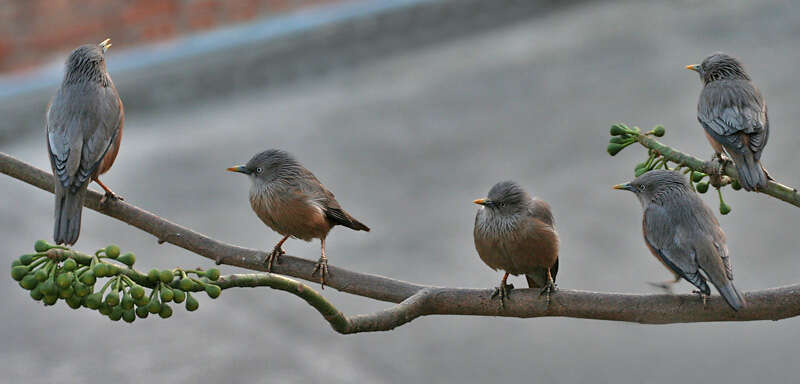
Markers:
point(242, 10)
point(202, 14)
point(142, 11)
point(157, 30)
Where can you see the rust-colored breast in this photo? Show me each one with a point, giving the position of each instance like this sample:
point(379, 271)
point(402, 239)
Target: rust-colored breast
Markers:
point(291, 214)
point(111, 155)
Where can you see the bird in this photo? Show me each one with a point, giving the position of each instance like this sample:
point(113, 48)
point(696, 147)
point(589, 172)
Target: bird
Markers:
point(733, 114)
point(682, 232)
point(290, 200)
point(515, 233)
point(84, 127)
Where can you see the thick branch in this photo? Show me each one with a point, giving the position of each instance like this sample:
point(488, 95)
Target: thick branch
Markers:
point(774, 189)
point(419, 300)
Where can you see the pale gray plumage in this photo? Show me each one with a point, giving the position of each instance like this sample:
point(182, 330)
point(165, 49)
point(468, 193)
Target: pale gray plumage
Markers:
point(515, 233)
point(288, 198)
point(683, 233)
point(733, 114)
point(84, 127)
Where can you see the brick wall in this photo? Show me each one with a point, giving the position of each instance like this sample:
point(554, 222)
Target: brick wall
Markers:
point(36, 31)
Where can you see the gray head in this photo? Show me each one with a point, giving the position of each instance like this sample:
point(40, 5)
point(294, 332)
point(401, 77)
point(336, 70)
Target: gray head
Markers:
point(505, 197)
point(719, 66)
point(657, 185)
point(270, 165)
point(87, 63)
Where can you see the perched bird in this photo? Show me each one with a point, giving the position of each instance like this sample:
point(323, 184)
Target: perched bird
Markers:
point(289, 199)
point(84, 128)
point(682, 233)
point(734, 116)
point(515, 233)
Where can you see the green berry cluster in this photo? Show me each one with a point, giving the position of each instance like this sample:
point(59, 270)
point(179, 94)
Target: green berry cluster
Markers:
point(622, 136)
point(55, 272)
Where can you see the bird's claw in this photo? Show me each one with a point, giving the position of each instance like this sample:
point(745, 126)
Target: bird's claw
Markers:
point(273, 257)
point(703, 297)
point(110, 196)
point(322, 269)
point(549, 288)
point(504, 292)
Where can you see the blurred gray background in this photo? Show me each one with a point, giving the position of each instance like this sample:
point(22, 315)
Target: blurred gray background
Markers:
point(408, 118)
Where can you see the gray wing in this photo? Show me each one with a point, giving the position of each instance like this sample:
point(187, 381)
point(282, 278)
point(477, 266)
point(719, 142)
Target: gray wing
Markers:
point(82, 123)
point(541, 210)
point(734, 113)
point(333, 210)
point(671, 243)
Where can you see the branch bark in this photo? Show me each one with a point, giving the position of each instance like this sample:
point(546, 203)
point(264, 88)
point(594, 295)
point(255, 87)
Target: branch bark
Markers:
point(415, 300)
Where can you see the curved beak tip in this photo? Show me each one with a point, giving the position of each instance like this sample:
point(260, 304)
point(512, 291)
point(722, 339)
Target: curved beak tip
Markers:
point(623, 187)
point(105, 44)
point(693, 67)
point(479, 201)
point(238, 168)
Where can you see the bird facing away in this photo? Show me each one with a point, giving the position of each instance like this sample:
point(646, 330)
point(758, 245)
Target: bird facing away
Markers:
point(288, 198)
point(84, 128)
point(515, 233)
point(682, 232)
point(734, 116)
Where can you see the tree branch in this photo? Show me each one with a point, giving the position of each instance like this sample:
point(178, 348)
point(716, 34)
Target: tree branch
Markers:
point(414, 300)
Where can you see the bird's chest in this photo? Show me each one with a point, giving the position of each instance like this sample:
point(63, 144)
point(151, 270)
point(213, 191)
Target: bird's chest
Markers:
point(290, 214)
point(494, 241)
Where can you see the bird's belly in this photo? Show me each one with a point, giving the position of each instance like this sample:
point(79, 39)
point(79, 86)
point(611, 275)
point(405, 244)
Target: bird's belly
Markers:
point(291, 217)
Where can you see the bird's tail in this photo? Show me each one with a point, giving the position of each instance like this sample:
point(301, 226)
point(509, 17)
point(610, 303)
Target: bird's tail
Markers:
point(355, 224)
point(751, 174)
point(68, 216)
point(731, 295)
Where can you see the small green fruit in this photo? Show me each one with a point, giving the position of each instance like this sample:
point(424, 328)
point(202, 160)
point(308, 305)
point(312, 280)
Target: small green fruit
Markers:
point(613, 149)
point(166, 311)
point(49, 287)
point(128, 259)
point(81, 289)
point(104, 309)
point(213, 274)
point(88, 278)
point(94, 300)
point(66, 293)
point(702, 187)
point(15, 263)
point(64, 280)
point(724, 208)
point(127, 301)
point(213, 291)
point(153, 275)
point(29, 282)
point(154, 306)
point(41, 246)
point(19, 272)
point(70, 265)
point(617, 130)
point(619, 140)
point(40, 274)
point(659, 131)
point(697, 176)
point(36, 294)
point(74, 302)
point(99, 269)
point(142, 312)
point(735, 185)
point(27, 259)
point(186, 284)
point(165, 276)
point(129, 316)
point(142, 302)
point(112, 299)
point(178, 295)
point(116, 314)
point(137, 292)
point(49, 299)
point(191, 303)
point(166, 294)
point(112, 251)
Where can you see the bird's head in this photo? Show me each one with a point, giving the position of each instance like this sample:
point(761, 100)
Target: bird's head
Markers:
point(268, 166)
point(719, 66)
point(505, 197)
point(656, 183)
point(87, 62)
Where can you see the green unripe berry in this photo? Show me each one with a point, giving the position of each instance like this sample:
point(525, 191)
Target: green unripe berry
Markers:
point(129, 316)
point(128, 259)
point(15, 263)
point(99, 269)
point(66, 293)
point(154, 306)
point(112, 299)
point(142, 302)
point(735, 185)
point(137, 292)
point(27, 259)
point(213, 274)
point(702, 187)
point(178, 295)
point(724, 208)
point(64, 280)
point(40, 275)
point(213, 291)
point(36, 294)
point(29, 282)
point(88, 278)
point(613, 149)
point(81, 289)
point(104, 309)
point(697, 176)
point(112, 251)
point(142, 312)
point(111, 270)
point(127, 301)
point(49, 299)
point(19, 272)
point(166, 311)
point(191, 303)
point(41, 246)
point(166, 295)
point(617, 130)
point(619, 140)
point(70, 265)
point(165, 276)
point(186, 284)
point(153, 275)
point(49, 287)
point(116, 314)
point(74, 302)
point(94, 300)
point(659, 131)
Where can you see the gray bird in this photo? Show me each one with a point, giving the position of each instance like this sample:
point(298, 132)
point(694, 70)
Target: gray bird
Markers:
point(734, 116)
point(682, 233)
point(84, 129)
point(515, 233)
point(288, 198)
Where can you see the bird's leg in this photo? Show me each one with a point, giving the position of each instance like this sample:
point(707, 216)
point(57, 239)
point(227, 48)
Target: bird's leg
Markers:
point(504, 290)
point(275, 255)
point(109, 193)
point(322, 266)
point(703, 297)
point(665, 285)
point(549, 288)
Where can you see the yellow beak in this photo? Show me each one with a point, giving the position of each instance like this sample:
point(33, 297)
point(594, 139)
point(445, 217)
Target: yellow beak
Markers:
point(693, 67)
point(623, 187)
point(105, 44)
point(480, 201)
point(240, 169)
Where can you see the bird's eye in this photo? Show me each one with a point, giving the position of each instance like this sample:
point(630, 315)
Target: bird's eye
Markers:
point(642, 187)
point(501, 204)
point(259, 170)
